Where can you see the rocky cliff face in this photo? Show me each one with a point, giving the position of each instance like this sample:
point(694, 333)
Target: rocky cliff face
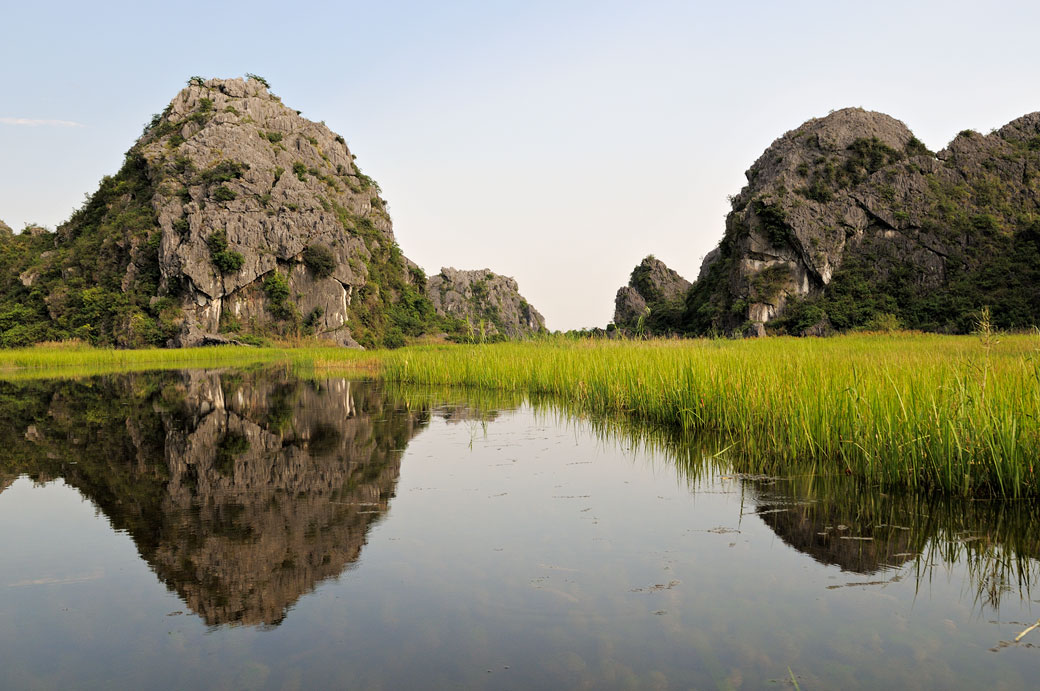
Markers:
point(247, 189)
point(482, 299)
point(233, 215)
point(849, 221)
point(654, 293)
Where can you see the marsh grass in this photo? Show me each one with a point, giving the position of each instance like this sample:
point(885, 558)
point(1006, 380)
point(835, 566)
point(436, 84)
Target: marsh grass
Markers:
point(943, 413)
point(954, 414)
point(77, 360)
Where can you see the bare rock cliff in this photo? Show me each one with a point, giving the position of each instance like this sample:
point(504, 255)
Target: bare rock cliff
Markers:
point(246, 187)
point(233, 217)
point(850, 221)
point(485, 298)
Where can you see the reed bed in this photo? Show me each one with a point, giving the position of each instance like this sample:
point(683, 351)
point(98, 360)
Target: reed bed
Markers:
point(956, 414)
point(953, 414)
point(74, 361)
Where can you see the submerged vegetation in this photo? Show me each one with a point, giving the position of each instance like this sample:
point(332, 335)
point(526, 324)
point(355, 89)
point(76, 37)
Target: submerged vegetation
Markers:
point(959, 415)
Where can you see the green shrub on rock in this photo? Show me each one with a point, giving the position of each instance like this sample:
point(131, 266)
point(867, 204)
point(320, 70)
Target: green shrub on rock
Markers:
point(320, 260)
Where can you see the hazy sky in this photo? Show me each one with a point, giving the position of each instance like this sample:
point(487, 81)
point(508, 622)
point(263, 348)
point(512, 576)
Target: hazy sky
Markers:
point(556, 142)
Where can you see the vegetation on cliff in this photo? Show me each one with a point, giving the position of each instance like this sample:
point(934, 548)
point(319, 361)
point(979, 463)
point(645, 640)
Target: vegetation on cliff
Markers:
point(850, 222)
point(232, 219)
point(652, 302)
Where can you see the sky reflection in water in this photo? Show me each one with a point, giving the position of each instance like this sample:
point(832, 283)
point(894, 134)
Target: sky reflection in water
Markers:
point(253, 529)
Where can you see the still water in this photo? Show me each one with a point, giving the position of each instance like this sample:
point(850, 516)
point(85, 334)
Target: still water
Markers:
point(250, 529)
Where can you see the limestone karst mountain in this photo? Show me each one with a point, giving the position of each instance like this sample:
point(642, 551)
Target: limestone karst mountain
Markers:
point(655, 294)
point(485, 300)
point(232, 217)
point(850, 221)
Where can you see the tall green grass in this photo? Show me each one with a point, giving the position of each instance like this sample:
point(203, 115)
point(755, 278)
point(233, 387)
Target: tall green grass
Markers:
point(956, 414)
point(61, 361)
point(921, 411)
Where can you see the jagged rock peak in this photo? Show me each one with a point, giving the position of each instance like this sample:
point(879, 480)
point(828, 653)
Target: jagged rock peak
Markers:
point(484, 297)
point(233, 218)
point(651, 285)
point(247, 187)
point(857, 186)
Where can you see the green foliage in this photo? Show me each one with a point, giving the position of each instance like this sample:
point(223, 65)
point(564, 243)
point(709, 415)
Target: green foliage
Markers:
point(273, 137)
point(257, 78)
point(231, 445)
point(320, 260)
point(773, 222)
point(767, 283)
point(196, 81)
point(221, 171)
point(799, 315)
point(906, 411)
point(206, 105)
point(864, 157)
point(81, 287)
point(915, 147)
point(276, 287)
point(300, 170)
point(226, 260)
point(224, 194)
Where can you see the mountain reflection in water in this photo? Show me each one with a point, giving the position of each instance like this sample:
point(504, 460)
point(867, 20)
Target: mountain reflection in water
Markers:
point(872, 533)
point(245, 490)
point(241, 491)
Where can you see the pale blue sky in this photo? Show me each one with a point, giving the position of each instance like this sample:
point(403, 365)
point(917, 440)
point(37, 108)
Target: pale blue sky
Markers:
point(556, 142)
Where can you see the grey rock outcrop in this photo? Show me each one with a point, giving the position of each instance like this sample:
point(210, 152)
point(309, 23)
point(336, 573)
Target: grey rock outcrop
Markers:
point(483, 297)
point(794, 242)
point(858, 184)
point(652, 290)
point(5, 230)
point(231, 162)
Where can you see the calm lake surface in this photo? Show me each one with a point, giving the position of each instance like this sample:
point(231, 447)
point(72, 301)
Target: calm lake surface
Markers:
point(250, 529)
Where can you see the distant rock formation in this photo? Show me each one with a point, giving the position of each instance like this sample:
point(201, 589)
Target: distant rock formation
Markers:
point(849, 221)
point(654, 293)
point(483, 297)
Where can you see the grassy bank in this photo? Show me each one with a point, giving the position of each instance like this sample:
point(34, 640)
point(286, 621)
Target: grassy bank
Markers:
point(61, 360)
point(956, 414)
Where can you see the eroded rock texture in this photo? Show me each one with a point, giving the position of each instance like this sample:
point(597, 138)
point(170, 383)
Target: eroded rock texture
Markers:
point(485, 298)
point(232, 216)
point(850, 219)
point(654, 294)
